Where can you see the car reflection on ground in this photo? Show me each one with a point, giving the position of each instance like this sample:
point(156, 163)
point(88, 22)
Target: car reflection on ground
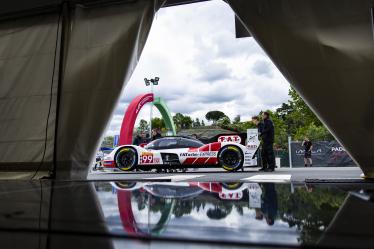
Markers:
point(247, 212)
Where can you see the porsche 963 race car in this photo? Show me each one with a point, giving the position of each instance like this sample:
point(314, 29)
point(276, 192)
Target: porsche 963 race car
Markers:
point(183, 152)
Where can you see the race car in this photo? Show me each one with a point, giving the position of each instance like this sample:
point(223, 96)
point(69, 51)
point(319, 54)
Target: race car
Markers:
point(183, 152)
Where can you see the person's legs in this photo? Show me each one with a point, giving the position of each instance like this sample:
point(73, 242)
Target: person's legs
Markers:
point(259, 158)
point(308, 159)
point(263, 158)
point(305, 161)
point(270, 157)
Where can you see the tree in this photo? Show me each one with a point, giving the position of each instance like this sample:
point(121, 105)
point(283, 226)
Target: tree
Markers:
point(236, 119)
point(196, 123)
point(178, 120)
point(301, 107)
point(224, 122)
point(300, 121)
point(187, 122)
point(313, 132)
point(143, 126)
point(214, 116)
point(181, 121)
point(107, 141)
point(202, 123)
point(158, 123)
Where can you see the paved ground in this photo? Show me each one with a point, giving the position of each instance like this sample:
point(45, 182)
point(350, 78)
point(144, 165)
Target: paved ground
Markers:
point(280, 175)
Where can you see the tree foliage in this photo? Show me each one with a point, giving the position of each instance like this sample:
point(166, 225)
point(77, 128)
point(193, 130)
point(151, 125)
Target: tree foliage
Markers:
point(143, 126)
point(158, 123)
point(196, 123)
point(300, 121)
point(214, 116)
point(236, 119)
point(293, 118)
point(182, 122)
point(107, 141)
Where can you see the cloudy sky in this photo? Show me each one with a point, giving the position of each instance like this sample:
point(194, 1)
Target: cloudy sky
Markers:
point(203, 67)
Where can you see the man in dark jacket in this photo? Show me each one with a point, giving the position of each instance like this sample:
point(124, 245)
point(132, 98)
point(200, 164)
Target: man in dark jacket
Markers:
point(269, 203)
point(156, 134)
point(267, 136)
point(260, 127)
point(139, 139)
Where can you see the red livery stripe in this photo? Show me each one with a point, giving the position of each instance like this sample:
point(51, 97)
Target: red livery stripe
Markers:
point(189, 161)
point(200, 161)
point(216, 146)
point(212, 161)
point(108, 164)
point(192, 149)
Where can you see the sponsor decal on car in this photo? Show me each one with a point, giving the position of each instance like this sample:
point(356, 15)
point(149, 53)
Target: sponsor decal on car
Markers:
point(199, 154)
point(252, 146)
point(233, 139)
point(146, 158)
point(231, 196)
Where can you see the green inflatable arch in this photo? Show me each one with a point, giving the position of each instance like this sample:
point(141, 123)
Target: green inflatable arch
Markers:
point(166, 115)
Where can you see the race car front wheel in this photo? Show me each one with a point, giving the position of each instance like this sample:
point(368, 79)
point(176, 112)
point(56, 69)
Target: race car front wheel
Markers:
point(230, 158)
point(126, 159)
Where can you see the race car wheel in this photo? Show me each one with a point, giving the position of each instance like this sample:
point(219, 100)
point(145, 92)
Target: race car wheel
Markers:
point(232, 185)
point(125, 185)
point(230, 158)
point(126, 159)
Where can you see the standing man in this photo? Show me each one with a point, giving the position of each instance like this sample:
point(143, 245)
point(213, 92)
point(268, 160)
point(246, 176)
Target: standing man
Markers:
point(269, 205)
point(156, 134)
point(260, 127)
point(139, 139)
point(308, 146)
point(267, 136)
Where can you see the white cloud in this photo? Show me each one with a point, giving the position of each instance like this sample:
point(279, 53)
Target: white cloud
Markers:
point(203, 67)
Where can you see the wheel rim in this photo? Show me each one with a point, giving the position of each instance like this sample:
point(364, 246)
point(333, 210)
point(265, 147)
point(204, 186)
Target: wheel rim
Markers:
point(232, 185)
point(125, 185)
point(230, 158)
point(126, 159)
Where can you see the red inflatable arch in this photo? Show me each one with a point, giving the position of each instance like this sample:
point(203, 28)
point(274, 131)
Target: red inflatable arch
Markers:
point(132, 112)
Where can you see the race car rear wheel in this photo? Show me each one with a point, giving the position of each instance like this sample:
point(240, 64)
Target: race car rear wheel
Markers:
point(126, 159)
point(230, 158)
point(125, 185)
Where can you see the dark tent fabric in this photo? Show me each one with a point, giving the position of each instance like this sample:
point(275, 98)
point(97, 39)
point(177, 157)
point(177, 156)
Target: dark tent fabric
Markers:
point(104, 47)
point(101, 46)
point(27, 92)
point(325, 49)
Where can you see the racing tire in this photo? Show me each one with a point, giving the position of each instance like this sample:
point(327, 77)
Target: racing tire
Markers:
point(232, 185)
point(231, 158)
point(126, 159)
point(125, 185)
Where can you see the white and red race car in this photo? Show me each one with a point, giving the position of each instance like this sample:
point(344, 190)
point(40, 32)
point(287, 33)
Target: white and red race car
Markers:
point(183, 152)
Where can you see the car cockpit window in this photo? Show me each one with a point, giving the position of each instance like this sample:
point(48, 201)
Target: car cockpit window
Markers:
point(190, 143)
point(152, 145)
point(165, 143)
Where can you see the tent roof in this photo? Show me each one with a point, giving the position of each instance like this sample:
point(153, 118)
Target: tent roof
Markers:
point(10, 9)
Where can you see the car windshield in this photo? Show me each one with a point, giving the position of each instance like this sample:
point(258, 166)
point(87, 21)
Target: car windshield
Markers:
point(167, 142)
point(174, 142)
point(190, 143)
point(151, 145)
